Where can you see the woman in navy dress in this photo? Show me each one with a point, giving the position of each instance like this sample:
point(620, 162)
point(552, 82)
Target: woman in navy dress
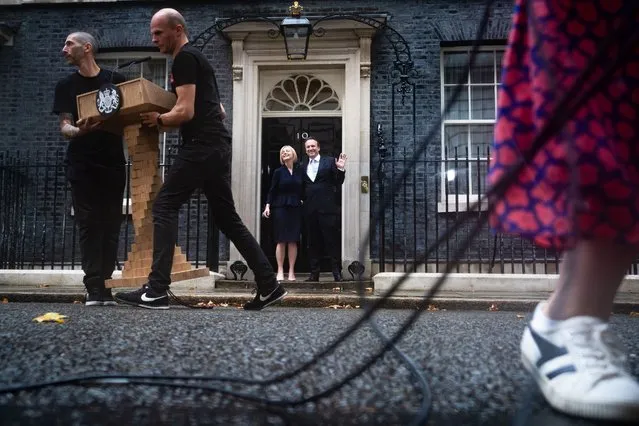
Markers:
point(284, 204)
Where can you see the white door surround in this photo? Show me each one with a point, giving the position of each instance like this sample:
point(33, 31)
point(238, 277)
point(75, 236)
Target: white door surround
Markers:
point(342, 58)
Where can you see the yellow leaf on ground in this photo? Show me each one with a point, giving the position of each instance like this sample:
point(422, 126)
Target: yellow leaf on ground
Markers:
point(634, 314)
point(51, 317)
point(432, 308)
point(5, 300)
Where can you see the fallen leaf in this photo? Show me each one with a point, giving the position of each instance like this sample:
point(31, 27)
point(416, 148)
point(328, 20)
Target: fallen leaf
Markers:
point(432, 308)
point(521, 316)
point(340, 307)
point(369, 289)
point(43, 285)
point(211, 304)
point(337, 289)
point(493, 308)
point(77, 302)
point(51, 317)
point(5, 300)
point(634, 314)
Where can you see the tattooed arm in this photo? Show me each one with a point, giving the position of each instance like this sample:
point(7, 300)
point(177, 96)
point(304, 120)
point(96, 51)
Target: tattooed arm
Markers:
point(69, 130)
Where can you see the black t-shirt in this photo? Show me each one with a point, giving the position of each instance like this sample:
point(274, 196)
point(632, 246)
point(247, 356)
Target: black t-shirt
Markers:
point(206, 128)
point(98, 148)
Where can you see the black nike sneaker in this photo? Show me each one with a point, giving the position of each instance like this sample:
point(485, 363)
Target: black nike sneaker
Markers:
point(261, 301)
point(146, 297)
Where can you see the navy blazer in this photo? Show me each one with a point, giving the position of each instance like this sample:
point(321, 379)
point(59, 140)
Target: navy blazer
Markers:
point(286, 188)
point(319, 195)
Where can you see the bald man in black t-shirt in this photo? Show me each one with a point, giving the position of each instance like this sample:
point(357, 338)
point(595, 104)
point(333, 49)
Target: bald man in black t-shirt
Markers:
point(203, 161)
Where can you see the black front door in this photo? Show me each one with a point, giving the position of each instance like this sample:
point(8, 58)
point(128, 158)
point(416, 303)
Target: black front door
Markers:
point(277, 132)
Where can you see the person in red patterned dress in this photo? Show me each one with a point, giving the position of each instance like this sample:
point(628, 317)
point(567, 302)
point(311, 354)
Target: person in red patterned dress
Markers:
point(579, 194)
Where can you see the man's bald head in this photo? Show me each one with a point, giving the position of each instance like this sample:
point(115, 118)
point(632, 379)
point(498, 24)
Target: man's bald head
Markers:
point(172, 17)
point(168, 31)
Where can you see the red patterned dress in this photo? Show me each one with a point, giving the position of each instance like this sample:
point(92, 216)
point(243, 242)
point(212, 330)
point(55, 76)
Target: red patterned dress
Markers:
point(584, 183)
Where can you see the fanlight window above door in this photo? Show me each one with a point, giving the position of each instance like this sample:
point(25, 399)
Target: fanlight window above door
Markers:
point(302, 93)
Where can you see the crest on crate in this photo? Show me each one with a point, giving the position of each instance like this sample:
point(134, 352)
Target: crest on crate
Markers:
point(108, 100)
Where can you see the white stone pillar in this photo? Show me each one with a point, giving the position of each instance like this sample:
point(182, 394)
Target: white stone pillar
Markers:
point(245, 162)
point(364, 160)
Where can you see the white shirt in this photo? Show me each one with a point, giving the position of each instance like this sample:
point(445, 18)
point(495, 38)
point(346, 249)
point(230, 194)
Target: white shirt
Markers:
point(313, 166)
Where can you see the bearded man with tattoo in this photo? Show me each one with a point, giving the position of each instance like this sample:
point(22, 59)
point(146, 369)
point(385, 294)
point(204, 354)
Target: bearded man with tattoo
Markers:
point(95, 168)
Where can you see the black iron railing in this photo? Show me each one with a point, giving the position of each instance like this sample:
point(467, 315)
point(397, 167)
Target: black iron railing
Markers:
point(434, 195)
point(37, 230)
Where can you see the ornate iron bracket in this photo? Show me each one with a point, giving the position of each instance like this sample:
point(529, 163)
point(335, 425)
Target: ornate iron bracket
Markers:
point(356, 269)
point(238, 267)
point(403, 67)
point(201, 40)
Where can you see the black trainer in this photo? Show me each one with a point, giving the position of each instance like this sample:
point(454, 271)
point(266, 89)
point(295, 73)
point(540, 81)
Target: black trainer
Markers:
point(93, 297)
point(145, 297)
point(107, 298)
point(261, 301)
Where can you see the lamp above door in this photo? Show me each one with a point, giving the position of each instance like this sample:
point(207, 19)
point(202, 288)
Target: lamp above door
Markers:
point(297, 32)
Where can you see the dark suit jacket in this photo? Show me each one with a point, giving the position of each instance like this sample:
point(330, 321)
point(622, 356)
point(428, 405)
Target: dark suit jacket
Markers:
point(319, 195)
point(286, 188)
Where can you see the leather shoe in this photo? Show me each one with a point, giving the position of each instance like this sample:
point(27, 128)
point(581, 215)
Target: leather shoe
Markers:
point(312, 278)
point(338, 276)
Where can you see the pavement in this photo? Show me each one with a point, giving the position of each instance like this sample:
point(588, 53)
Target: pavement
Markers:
point(470, 360)
point(313, 295)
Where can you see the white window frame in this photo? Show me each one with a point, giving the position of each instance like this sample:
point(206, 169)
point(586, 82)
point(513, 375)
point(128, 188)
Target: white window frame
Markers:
point(125, 56)
point(462, 202)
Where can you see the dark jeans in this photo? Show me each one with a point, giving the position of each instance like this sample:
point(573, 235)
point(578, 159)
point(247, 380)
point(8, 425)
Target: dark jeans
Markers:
point(323, 237)
point(98, 250)
point(97, 208)
point(213, 176)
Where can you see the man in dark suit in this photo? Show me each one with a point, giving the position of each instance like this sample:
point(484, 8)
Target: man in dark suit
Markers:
point(322, 175)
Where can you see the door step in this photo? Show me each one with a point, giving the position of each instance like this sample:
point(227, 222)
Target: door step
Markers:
point(323, 285)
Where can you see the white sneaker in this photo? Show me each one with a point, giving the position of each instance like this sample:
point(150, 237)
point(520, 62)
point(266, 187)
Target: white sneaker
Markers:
point(579, 366)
